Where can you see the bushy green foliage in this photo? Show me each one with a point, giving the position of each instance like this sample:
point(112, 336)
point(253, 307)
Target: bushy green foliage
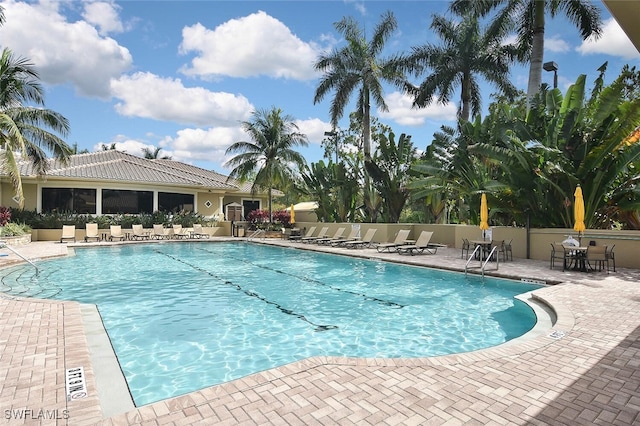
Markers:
point(13, 229)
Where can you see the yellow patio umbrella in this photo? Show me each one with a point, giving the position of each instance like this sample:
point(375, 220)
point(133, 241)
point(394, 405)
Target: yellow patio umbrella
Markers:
point(484, 214)
point(293, 215)
point(578, 211)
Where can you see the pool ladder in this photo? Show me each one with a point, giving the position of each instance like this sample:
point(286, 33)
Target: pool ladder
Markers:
point(3, 244)
point(256, 234)
point(483, 265)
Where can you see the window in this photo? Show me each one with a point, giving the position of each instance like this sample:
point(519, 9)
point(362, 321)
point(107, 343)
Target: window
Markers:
point(122, 201)
point(76, 200)
point(250, 205)
point(173, 202)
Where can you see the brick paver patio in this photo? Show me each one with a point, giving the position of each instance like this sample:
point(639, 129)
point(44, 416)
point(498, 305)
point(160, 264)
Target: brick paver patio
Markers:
point(582, 370)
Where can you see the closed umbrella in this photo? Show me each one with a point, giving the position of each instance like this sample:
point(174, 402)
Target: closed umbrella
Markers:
point(578, 212)
point(484, 214)
point(293, 215)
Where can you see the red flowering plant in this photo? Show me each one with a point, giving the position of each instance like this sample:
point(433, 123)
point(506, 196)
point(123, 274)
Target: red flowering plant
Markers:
point(5, 215)
point(259, 219)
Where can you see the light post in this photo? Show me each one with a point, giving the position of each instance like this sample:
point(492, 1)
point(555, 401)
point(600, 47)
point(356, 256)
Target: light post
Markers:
point(334, 134)
point(552, 66)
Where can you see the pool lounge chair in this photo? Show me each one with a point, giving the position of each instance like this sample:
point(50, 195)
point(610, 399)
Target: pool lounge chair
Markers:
point(337, 236)
point(353, 235)
point(179, 232)
point(198, 232)
point(422, 245)
point(159, 232)
point(115, 232)
point(308, 234)
point(68, 233)
point(91, 232)
point(401, 239)
point(321, 234)
point(366, 241)
point(139, 233)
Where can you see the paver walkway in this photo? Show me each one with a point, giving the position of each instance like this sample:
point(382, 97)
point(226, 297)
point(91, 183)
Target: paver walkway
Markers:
point(583, 370)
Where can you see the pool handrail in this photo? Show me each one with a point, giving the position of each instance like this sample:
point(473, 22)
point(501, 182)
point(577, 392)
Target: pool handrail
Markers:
point(3, 244)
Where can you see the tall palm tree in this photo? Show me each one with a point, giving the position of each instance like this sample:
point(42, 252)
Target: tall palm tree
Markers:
point(465, 53)
point(22, 130)
point(270, 154)
point(527, 17)
point(358, 66)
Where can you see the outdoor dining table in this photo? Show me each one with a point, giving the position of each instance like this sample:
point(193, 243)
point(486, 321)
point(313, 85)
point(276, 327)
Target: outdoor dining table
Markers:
point(580, 255)
point(485, 247)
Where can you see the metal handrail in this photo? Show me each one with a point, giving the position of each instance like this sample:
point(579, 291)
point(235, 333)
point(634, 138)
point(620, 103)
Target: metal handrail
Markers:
point(482, 265)
point(256, 233)
point(3, 244)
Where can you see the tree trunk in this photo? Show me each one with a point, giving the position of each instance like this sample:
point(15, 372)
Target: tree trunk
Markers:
point(537, 53)
point(366, 127)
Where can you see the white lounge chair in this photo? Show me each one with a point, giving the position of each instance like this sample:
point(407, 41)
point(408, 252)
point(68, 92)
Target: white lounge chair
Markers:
point(422, 245)
point(366, 241)
point(321, 234)
point(179, 232)
point(308, 234)
point(337, 236)
point(139, 233)
point(159, 232)
point(401, 239)
point(68, 233)
point(91, 232)
point(198, 232)
point(115, 232)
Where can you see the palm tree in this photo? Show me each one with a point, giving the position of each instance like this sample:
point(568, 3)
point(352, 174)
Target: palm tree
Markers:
point(464, 54)
point(527, 17)
point(357, 66)
point(21, 127)
point(155, 154)
point(270, 153)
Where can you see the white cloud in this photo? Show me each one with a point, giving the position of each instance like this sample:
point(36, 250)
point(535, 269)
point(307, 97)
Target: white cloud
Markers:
point(149, 96)
point(130, 146)
point(314, 128)
point(402, 111)
point(556, 45)
point(209, 145)
point(104, 16)
point(254, 45)
point(63, 52)
point(613, 42)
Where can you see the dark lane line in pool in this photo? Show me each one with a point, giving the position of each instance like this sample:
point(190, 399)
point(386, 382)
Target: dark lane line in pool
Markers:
point(313, 281)
point(31, 291)
point(252, 294)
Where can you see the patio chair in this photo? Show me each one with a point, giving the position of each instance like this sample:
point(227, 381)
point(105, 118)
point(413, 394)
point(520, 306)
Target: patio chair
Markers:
point(353, 235)
point(321, 234)
point(115, 232)
point(337, 236)
point(466, 246)
point(401, 239)
point(507, 249)
point(308, 234)
point(597, 257)
point(422, 245)
point(68, 233)
point(91, 232)
point(179, 232)
point(139, 233)
point(198, 232)
point(366, 241)
point(159, 232)
point(612, 257)
point(561, 252)
point(500, 248)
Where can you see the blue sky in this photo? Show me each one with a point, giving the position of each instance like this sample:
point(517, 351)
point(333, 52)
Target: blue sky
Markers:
point(181, 75)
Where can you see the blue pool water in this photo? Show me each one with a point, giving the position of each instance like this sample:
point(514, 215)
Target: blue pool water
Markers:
point(185, 316)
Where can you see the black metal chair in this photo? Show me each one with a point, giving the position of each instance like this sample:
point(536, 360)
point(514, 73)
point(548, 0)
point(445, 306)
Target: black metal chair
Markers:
point(507, 250)
point(597, 258)
point(611, 257)
point(560, 252)
point(466, 246)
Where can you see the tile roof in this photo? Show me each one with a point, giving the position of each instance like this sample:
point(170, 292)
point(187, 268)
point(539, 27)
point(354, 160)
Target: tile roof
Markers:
point(115, 165)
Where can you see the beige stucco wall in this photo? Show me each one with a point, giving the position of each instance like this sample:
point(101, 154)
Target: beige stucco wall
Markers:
point(627, 243)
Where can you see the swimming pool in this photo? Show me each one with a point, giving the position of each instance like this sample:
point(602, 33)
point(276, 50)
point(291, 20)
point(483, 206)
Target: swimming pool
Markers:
point(190, 315)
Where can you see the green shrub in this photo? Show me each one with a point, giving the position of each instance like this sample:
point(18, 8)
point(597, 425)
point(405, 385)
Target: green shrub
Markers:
point(13, 229)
